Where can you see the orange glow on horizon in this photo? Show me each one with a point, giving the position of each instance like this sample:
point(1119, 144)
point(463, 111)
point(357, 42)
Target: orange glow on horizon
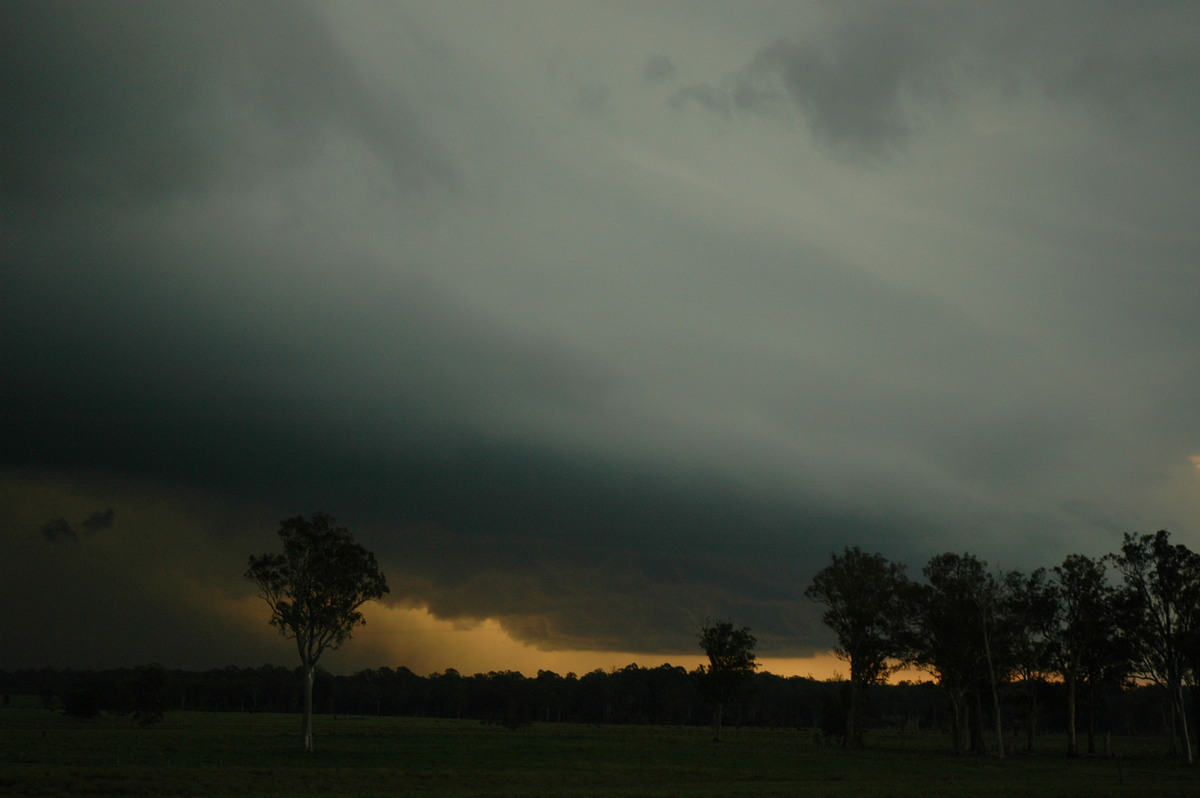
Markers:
point(413, 638)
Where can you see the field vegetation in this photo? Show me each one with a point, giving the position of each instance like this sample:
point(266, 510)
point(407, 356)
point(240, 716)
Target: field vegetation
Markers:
point(47, 753)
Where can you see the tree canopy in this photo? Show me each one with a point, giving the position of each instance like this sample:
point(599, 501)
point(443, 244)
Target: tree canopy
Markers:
point(1096, 627)
point(1162, 589)
point(731, 663)
point(866, 601)
point(315, 589)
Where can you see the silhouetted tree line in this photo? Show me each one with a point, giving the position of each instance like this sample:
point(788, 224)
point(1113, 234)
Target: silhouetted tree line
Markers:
point(1072, 645)
point(662, 695)
point(1112, 643)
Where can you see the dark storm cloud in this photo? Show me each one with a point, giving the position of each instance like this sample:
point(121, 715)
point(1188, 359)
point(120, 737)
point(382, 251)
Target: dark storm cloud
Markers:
point(58, 529)
point(132, 333)
point(100, 519)
point(567, 359)
point(576, 553)
point(155, 586)
point(888, 70)
point(227, 394)
point(134, 101)
point(657, 67)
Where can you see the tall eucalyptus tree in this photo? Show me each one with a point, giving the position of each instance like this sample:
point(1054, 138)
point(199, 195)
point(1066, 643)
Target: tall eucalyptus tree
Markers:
point(1162, 585)
point(958, 638)
point(866, 601)
point(315, 589)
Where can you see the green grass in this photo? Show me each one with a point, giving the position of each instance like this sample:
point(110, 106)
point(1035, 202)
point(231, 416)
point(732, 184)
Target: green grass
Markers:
point(46, 754)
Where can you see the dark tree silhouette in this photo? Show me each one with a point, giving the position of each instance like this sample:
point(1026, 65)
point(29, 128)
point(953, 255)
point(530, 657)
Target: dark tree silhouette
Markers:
point(866, 606)
point(82, 702)
point(1031, 607)
point(1081, 638)
point(730, 665)
point(148, 691)
point(1162, 588)
point(315, 589)
point(956, 634)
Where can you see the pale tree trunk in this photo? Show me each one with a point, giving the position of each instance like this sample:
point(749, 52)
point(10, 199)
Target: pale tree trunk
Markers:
point(309, 673)
point(984, 614)
point(999, 726)
point(1072, 742)
point(1091, 719)
point(987, 647)
point(978, 742)
point(1169, 721)
point(1183, 724)
point(958, 728)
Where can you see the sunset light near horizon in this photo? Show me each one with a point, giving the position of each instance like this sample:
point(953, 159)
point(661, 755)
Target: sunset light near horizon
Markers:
point(423, 644)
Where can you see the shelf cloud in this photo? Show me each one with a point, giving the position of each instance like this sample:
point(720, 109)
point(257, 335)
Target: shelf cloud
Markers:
point(593, 321)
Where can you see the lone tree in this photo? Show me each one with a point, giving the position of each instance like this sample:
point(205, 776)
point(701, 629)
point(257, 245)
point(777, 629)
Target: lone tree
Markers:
point(314, 590)
point(730, 665)
point(866, 601)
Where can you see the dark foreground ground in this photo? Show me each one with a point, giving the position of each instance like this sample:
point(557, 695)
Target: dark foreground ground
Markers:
point(46, 754)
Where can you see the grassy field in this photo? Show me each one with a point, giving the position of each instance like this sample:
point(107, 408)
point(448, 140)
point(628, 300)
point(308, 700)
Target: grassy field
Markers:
point(46, 754)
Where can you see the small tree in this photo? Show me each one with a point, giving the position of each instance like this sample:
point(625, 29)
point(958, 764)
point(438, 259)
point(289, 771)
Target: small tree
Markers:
point(730, 665)
point(314, 590)
point(866, 601)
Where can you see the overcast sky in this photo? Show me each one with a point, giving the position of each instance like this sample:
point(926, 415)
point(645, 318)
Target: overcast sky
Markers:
point(593, 320)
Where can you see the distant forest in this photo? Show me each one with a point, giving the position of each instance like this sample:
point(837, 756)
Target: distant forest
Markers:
point(665, 695)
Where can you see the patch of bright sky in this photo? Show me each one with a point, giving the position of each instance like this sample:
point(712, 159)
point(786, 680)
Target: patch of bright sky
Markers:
point(415, 639)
